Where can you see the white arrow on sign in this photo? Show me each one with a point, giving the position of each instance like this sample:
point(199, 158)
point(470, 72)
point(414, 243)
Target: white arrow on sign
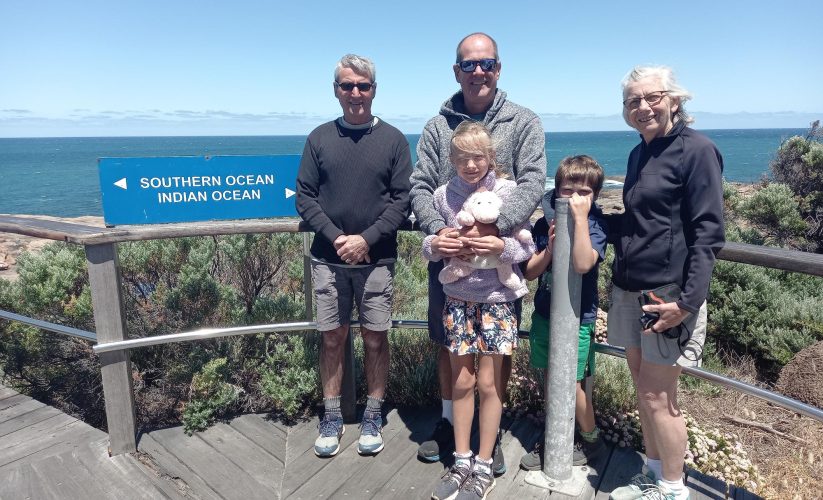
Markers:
point(289, 193)
point(122, 183)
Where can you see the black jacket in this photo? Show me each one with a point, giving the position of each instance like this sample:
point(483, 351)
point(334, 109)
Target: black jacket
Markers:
point(673, 225)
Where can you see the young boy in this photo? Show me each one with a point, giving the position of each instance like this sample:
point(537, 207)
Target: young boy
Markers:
point(580, 179)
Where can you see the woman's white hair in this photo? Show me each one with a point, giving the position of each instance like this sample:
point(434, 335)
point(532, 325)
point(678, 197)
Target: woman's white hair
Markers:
point(669, 83)
point(359, 64)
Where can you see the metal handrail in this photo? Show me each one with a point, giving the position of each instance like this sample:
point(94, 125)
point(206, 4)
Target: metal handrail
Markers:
point(52, 327)
point(721, 380)
point(213, 333)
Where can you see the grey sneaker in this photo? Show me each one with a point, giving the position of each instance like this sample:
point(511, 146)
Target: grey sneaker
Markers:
point(477, 486)
point(327, 443)
point(452, 481)
point(585, 451)
point(371, 437)
point(533, 460)
point(441, 442)
point(498, 461)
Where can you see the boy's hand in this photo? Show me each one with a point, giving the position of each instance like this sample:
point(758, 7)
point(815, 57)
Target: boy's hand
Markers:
point(550, 245)
point(580, 206)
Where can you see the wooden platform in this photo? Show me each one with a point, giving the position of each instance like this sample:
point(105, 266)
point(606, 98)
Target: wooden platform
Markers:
point(45, 454)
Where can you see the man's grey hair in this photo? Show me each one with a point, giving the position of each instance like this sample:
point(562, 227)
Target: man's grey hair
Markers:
point(359, 64)
point(459, 58)
point(669, 83)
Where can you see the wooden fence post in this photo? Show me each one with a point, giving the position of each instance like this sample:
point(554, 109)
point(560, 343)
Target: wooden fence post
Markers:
point(115, 366)
point(348, 400)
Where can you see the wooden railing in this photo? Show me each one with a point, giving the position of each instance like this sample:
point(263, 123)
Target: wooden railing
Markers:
point(101, 257)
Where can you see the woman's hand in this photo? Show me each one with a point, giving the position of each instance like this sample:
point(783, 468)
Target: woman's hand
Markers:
point(670, 316)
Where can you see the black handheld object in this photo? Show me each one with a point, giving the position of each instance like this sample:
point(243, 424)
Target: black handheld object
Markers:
point(660, 295)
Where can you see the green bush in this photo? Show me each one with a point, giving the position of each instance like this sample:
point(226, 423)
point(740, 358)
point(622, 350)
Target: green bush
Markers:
point(765, 313)
point(799, 164)
point(776, 214)
point(290, 374)
point(211, 396)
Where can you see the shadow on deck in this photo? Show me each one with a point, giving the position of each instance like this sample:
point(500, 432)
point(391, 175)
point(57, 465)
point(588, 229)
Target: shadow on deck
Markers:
point(47, 454)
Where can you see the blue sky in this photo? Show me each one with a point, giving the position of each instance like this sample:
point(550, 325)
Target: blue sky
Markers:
point(150, 67)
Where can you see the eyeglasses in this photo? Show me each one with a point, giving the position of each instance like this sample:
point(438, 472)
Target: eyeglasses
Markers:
point(651, 99)
point(349, 86)
point(468, 65)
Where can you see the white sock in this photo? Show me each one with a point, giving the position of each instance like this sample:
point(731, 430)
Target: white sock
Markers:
point(677, 487)
point(655, 466)
point(447, 410)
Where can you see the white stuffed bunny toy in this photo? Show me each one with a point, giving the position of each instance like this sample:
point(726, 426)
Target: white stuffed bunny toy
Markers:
point(482, 206)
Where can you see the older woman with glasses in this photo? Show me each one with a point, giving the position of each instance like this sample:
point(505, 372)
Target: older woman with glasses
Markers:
point(668, 238)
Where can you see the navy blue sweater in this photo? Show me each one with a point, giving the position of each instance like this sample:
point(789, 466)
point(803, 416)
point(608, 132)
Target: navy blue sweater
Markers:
point(354, 181)
point(673, 225)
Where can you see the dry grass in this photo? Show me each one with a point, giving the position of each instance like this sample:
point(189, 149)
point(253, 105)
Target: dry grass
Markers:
point(790, 469)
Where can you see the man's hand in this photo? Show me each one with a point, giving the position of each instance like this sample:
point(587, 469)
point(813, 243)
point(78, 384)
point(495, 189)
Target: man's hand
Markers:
point(580, 206)
point(670, 316)
point(352, 249)
point(447, 243)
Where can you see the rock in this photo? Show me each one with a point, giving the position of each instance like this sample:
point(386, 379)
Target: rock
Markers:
point(802, 377)
point(12, 245)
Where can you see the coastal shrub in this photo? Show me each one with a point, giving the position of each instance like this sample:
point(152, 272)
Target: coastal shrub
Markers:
point(412, 369)
point(290, 374)
point(798, 163)
point(775, 213)
point(53, 285)
point(526, 387)
point(613, 386)
point(766, 313)
point(211, 396)
point(252, 263)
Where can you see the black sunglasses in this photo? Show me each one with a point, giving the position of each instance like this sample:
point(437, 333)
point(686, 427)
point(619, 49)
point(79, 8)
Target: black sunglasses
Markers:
point(485, 64)
point(349, 86)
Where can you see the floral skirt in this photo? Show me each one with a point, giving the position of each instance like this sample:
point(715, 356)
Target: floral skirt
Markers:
point(476, 327)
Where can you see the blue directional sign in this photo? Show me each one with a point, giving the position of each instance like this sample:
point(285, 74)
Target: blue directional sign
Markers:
point(197, 188)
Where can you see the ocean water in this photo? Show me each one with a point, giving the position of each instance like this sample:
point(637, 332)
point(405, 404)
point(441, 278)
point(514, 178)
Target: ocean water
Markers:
point(58, 176)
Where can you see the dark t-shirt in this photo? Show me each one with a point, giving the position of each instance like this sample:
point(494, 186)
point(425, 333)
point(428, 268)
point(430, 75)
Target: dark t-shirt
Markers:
point(588, 292)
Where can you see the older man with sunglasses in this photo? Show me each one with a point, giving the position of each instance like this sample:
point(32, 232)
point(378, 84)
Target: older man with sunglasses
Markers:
point(520, 142)
point(353, 191)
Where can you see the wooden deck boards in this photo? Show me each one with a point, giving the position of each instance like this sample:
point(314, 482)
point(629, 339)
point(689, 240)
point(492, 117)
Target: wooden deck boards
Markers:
point(45, 454)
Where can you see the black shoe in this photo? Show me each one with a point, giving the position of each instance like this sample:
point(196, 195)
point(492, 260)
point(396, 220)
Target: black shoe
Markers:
point(586, 451)
point(498, 461)
point(440, 443)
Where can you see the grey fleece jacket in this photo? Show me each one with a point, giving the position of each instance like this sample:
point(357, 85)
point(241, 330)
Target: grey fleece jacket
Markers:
point(518, 137)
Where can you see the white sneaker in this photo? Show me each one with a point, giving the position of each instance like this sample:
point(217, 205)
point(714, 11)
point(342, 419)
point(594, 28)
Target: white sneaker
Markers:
point(636, 487)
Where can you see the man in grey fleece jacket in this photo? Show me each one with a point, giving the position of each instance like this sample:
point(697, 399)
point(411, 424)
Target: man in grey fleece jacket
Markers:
point(520, 144)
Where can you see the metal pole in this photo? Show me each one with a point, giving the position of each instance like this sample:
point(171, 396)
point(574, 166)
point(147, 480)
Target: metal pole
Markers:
point(558, 474)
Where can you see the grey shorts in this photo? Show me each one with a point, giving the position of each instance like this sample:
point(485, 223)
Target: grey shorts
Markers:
point(337, 288)
point(624, 330)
